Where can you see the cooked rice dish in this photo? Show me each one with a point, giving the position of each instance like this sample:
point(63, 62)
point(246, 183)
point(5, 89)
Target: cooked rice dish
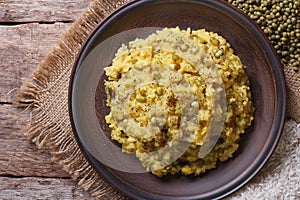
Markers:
point(179, 100)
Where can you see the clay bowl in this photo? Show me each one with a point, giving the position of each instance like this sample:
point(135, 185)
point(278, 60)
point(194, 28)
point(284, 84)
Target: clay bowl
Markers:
point(87, 97)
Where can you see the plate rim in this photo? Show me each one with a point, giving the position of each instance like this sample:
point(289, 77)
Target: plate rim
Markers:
point(262, 157)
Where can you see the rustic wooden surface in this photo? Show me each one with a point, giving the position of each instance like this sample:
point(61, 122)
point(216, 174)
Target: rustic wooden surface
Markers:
point(28, 30)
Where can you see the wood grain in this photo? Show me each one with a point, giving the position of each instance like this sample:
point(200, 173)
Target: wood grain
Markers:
point(22, 49)
point(40, 188)
point(41, 10)
point(18, 156)
point(28, 30)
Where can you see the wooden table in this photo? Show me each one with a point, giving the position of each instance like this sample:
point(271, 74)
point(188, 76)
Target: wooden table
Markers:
point(28, 30)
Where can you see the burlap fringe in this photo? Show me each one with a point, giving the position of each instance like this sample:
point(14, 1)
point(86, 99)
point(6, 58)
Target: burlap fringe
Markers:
point(43, 132)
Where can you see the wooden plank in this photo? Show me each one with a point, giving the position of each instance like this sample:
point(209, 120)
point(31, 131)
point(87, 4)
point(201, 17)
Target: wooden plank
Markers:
point(18, 156)
point(40, 188)
point(25, 171)
point(41, 10)
point(22, 49)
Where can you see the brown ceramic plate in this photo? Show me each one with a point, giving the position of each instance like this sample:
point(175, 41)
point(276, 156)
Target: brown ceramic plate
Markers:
point(87, 97)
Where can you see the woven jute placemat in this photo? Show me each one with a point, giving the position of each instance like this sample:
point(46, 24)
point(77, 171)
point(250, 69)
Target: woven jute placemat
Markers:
point(47, 95)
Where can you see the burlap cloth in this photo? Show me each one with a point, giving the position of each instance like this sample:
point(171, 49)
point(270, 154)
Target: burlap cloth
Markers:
point(47, 95)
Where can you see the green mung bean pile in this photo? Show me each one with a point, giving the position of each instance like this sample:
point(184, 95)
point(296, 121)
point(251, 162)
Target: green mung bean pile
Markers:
point(280, 21)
